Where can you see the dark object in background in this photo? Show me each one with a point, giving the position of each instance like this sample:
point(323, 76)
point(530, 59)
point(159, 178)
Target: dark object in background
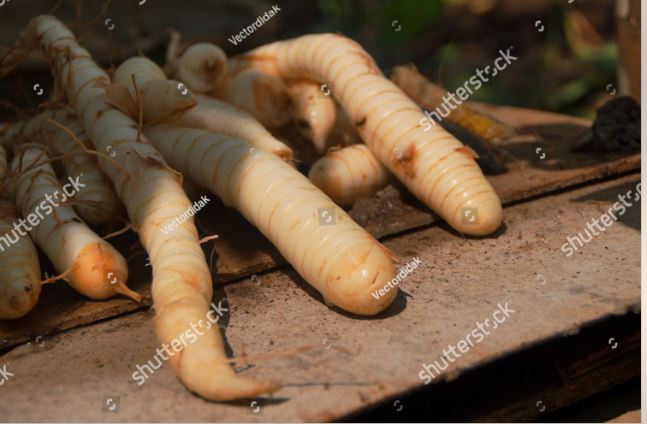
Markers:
point(490, 157)
point(471, 126)
point(616, 127)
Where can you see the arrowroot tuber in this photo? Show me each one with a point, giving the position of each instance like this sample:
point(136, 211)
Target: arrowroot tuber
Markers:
point(88, 263)
point(161, 99)
point(436, 167)
point(348, 174)
point(182, 286)
point(211, 113)
point(264, 96)
point(217, 116)
point(20, 276)
point(97, 203)
point(314, 111)
point(343, 132)
point(201, 67)
point(342, 261)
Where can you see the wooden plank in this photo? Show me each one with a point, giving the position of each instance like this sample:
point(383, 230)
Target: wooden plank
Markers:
point(242, 251)
point(617, 368)
point(529, 385)
point(362, 362)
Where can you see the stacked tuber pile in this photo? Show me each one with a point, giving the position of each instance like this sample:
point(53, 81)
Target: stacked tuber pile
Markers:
point(133, 137)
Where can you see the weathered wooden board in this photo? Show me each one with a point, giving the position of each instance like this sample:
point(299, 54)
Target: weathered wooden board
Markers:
point(534, 384)
point(241, 251)
point(362, 362)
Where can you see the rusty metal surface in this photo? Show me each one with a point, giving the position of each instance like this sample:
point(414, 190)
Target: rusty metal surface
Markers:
point(357, 362)
point(241, 251)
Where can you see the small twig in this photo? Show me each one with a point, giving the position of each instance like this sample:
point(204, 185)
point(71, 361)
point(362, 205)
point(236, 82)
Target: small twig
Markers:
point(208, 238)
point(119, 232)
point(85, 149)
point(269, 356)
point(49, 280)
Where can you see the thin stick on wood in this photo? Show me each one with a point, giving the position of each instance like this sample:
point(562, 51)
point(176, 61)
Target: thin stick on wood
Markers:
point(431, 96)
point(475, 128)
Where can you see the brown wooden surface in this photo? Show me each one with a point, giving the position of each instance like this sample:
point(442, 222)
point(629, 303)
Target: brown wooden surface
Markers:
point(241, 251)
point(356, 363)
point(537, 383)
point(586, 364)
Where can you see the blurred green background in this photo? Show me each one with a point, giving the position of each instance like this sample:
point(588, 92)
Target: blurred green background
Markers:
point(567, 51)
point(566, 48)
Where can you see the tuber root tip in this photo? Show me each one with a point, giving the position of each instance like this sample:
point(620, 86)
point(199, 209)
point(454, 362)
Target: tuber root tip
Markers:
point(122, 288)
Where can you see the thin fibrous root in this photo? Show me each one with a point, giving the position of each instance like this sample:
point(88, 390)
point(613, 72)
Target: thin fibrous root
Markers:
point(61, 131)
